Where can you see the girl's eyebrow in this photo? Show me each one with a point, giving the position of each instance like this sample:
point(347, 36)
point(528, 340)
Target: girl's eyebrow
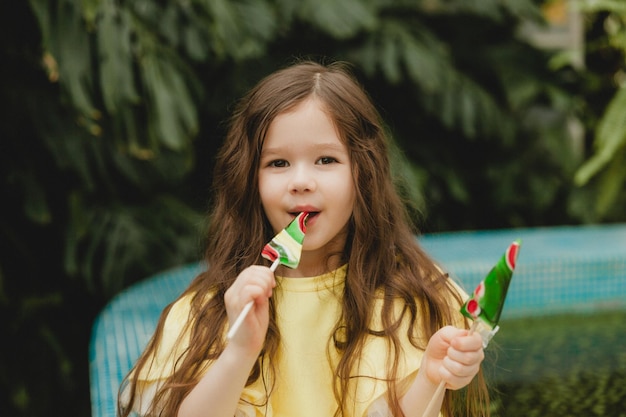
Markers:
point(336, 147)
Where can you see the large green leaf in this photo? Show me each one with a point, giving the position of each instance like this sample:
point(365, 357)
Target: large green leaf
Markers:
point(172, 111)
point(107, 243)
point(611, 183)
point(610, 138)
point(116, 60)
point(400, 48)
point(341, 19)
point(67, 43)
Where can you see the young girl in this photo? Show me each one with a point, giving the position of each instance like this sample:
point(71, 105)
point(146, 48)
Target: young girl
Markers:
point(366, 325)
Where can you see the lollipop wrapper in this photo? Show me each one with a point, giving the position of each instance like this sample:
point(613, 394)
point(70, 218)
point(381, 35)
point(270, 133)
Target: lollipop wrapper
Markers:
point(287, 245)
point(486, 303)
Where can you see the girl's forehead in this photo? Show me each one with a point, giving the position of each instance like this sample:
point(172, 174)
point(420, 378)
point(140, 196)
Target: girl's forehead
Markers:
point(309, 117)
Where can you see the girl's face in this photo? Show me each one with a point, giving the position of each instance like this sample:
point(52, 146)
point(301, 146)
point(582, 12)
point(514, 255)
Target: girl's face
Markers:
point(305, 167)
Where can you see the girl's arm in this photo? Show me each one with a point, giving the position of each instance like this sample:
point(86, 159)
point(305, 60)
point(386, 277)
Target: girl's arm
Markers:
point(218, 391)
point(453, 356)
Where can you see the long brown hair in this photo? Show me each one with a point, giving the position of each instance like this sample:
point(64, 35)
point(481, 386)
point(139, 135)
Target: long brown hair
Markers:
point(387, 262)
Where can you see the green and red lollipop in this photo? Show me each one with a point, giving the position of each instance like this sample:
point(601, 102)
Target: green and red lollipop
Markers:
point(285, 248)
point(485, 304)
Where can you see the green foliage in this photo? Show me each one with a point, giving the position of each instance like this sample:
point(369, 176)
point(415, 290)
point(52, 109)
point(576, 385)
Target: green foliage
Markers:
point(479, 111)
point(609, 153)
point(566, 365)
point(141, 77)
point(103, 240)
point(111, 61)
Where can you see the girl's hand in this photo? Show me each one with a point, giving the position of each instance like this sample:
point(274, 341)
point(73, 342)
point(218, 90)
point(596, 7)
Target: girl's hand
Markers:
point(453, 356)
point(254, 283)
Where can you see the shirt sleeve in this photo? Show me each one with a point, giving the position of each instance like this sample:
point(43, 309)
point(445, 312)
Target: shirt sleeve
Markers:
point(175, 339)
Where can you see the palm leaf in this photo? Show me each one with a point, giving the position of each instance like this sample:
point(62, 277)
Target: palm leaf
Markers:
point(610, 138)
point(116, 58)
point(611, 183)
point(340, 19)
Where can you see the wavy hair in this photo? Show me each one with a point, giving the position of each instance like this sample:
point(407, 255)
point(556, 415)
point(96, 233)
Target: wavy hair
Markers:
point(388, 262)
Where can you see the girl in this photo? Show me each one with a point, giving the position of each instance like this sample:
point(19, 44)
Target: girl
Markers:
point(366, 325)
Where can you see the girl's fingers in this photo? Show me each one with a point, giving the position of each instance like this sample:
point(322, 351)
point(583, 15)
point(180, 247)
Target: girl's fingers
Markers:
point(256, 287)
point(247, 306)
point(467, 342)
point(466, 357)
point(253, 283)
point(462, 359)
point(441, 341)
point(458, 369)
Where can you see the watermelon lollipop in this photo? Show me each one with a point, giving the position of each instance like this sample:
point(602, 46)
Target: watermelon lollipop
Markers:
point(485, 304)
point(487, 301)
point(285, 248)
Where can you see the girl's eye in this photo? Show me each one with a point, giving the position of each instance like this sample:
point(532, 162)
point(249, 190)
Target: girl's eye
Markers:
point(326, 160)
point(278, 163)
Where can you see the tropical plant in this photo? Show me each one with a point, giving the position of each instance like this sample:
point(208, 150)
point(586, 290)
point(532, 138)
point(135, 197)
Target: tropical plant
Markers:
point(116, 108)
point(606, 165)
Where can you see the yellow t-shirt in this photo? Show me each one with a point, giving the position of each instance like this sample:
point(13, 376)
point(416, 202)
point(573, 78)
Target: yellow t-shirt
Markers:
point(307, 313)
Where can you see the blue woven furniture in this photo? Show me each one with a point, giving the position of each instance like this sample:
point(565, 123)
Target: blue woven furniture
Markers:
point(559, 269)
point(122, 330)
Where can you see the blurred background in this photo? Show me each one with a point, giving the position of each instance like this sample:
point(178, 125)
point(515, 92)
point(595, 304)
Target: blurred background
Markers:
point(505, 114)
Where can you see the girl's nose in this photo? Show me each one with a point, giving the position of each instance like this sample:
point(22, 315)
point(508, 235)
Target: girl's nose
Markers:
point(302, 179)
